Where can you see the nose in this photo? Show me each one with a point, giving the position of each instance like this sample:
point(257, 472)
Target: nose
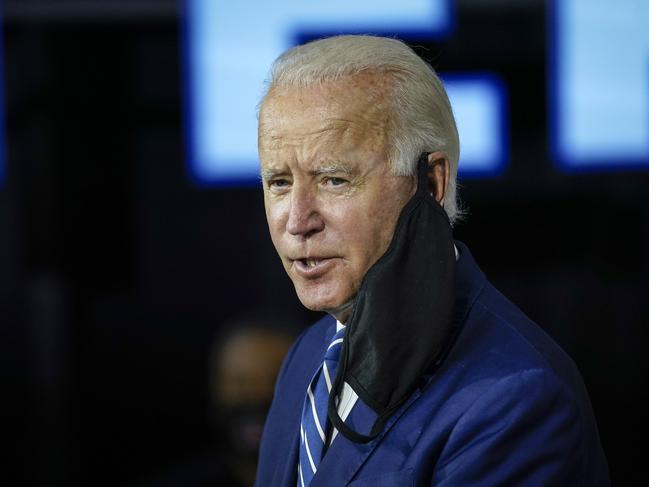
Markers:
point(304, 218)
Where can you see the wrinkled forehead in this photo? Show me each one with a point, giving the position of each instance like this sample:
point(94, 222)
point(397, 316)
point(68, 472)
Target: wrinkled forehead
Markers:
point(358, 105)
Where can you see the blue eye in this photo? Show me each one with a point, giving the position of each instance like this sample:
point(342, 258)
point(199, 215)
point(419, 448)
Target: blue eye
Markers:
point(336, 181)
point(278, 183)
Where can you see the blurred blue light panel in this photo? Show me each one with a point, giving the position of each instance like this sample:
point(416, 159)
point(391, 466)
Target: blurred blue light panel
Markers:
point(229, 47)
point(480, 108)
point(599, 83)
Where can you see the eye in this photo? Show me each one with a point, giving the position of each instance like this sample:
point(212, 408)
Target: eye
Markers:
point(278, 184)
point(334, 181)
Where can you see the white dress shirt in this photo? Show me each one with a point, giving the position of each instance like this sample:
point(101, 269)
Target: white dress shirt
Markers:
point(347, 398)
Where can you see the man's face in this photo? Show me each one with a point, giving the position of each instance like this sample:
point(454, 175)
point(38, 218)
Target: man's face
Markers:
point(331, 199)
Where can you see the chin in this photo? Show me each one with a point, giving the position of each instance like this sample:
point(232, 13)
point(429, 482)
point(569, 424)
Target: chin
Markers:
point(337, 304)
point(315, 304)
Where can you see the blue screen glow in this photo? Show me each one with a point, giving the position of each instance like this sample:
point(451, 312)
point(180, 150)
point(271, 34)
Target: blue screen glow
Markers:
point(480, 111)
point(228, 53)
point(600, 83)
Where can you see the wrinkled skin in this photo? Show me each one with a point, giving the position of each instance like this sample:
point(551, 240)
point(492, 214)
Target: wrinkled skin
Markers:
point(331, 199)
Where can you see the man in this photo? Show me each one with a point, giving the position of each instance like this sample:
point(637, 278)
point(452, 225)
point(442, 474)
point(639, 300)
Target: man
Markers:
point(422, 374)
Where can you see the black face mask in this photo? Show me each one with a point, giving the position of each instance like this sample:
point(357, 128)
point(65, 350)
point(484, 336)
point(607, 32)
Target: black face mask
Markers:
point(401, 326)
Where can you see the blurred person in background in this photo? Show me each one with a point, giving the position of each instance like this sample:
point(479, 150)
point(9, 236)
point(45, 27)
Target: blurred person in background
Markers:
point(244, 369)
point(423, 373)
point(243, 363)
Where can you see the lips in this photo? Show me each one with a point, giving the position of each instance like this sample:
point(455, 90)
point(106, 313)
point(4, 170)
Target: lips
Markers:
point(311, 262)
point(313, 267)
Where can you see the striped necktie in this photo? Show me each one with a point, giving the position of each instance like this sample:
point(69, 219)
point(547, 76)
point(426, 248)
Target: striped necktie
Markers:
point(314, 427)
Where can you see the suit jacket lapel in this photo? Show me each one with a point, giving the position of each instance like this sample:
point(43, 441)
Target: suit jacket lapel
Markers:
point(286, 473)
point(344, 457)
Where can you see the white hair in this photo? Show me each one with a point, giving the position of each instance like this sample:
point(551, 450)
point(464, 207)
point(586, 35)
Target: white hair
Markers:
point(423, 119)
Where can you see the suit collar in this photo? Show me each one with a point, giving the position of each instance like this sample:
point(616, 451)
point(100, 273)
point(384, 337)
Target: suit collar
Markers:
point(469, 281)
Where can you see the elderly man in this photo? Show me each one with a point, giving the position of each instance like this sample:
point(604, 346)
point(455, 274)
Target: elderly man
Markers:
point(422, 373)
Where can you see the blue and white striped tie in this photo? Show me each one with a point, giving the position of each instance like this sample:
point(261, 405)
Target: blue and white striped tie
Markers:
point(313, 430)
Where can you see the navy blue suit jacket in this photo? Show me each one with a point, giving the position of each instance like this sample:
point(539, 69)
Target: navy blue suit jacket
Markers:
point(507, 407)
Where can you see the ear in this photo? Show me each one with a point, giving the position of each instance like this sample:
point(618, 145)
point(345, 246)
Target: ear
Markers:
point(439, 172)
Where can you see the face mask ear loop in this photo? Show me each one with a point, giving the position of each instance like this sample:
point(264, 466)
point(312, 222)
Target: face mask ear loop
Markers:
point(332, 410)
point(422, 174)
point(336, 420)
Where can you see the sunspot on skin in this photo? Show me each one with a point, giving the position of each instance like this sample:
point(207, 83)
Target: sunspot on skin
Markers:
point(331, 199)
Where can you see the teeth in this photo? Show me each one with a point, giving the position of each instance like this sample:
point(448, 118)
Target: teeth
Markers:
point(311, 262)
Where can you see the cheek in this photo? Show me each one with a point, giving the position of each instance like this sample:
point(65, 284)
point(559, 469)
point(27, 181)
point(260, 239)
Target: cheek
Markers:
point(388, 218)
point(367, 234)
point(379, 225)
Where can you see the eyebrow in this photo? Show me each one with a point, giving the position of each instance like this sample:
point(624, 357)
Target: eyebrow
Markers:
point(334, 168)
point(267, 174)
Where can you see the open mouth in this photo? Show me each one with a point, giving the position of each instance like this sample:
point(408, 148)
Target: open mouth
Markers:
point(310, 262)
point(313, 267)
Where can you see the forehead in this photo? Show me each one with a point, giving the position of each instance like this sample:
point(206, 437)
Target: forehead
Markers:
point(349, 111)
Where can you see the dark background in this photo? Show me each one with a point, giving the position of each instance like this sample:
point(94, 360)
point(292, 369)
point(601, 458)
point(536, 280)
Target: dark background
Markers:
point(117, 271)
